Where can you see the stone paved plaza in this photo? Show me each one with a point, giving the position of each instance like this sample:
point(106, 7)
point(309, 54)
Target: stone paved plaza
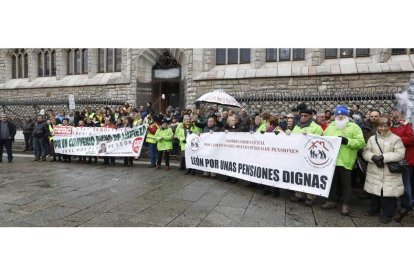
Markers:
point(34, 194)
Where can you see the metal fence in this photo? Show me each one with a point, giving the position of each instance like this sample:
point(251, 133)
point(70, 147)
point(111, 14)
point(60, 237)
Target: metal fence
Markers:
point(17, 109)
point(281, 102)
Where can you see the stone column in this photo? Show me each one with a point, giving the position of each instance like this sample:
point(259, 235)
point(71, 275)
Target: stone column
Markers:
point(258, 57)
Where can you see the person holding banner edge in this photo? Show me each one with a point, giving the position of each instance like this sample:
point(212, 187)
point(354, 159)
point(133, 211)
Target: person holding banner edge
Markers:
point(352, 141)
point(306, 125)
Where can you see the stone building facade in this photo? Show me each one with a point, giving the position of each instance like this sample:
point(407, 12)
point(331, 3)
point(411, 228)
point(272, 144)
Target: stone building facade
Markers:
point(29, 74)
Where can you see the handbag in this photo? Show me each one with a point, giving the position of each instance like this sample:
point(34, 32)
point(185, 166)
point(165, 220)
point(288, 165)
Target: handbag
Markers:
point(394, 167)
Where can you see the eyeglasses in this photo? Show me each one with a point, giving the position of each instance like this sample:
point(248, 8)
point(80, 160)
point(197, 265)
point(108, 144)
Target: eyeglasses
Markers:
point(305, 115)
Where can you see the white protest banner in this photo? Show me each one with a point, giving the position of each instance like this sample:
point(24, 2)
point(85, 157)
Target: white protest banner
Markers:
point(99, 141)
point(298, 162)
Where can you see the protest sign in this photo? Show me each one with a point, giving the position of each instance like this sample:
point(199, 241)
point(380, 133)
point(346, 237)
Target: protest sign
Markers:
point(298, 162)
point(99, 141)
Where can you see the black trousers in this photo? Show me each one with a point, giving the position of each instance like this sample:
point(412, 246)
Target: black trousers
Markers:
point(167, 157)
point(388, 205)
point(108, 160)
point(7, 143)
point(341, 185)
point(128, 160)
point(28, 141)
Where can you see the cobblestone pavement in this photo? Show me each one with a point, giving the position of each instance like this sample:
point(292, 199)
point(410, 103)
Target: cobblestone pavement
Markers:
point(60, 194)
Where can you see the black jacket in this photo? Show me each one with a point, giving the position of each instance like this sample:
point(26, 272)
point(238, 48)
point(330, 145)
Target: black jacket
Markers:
point(40, 130)
point(12, 129)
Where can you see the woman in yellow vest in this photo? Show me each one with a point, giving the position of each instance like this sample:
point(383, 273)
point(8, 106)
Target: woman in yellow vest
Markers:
point(164, 138)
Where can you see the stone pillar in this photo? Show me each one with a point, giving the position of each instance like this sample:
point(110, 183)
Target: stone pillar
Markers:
point(258, 57)
point(380, 55)
point(314, 56)
point(61, 64)
point(92, 62)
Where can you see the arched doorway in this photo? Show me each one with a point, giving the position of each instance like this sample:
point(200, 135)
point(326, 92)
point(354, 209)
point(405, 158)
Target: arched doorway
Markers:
point(166, 80)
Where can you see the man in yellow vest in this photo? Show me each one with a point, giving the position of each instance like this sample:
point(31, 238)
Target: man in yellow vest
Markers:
point(306, 125)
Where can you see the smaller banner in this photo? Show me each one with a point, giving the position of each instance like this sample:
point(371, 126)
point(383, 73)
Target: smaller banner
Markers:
point(99, 141)
point(298, 162)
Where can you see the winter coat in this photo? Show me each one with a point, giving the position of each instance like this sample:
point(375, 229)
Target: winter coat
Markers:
point(164, 139)
point(181, 133)
point(405, 132)
point(347, 153)
point(368, 130)
point(313, 128)
point(381, 178)
point(41, 130)
point(28, 126)
point(12, 130)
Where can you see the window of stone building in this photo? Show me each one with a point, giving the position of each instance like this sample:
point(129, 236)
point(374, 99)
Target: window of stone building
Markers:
point(40, 64)
point(84, 61)
point(76, 60)
point(244, 56)
point(346, 52)
point(271, 55)
point(14, 61)
point(118, 60)
point(70, 62)
point(53, 58)
point(331, 53)
point(20, 64)
point(46, 63)
point(411, 50)
point(220, 56)
point(299, 54)
point(362, 52)
point(109, 60)
point(232, 56)
point(284, 54)
point(399, 51)
point(26, 66)
point(101, 60)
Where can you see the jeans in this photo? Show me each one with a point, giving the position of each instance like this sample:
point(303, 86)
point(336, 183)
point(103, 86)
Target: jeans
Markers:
point(153, 153)
point(40, 147)
point(7, 143)
point(407, 200)
point(341, 185)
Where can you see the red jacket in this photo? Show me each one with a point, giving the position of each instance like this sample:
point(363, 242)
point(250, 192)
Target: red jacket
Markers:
point(406, 133)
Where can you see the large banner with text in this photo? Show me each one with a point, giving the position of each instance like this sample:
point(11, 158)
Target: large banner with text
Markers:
point(99, 141)
point(298, 162)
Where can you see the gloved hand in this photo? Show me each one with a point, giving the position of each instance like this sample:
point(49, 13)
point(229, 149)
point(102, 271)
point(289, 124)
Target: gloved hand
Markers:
point(262, 132)
point(378, 160)
point(344, 140)
point(184, 141)
point(190, 132)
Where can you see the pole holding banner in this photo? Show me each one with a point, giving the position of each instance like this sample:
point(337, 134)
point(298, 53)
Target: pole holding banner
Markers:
point(72, 104)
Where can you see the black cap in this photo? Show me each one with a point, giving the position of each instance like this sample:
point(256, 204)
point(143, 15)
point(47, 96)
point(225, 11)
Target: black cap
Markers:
point(306, 111)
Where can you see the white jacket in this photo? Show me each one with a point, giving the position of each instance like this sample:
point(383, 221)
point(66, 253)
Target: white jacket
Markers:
point(381, 178)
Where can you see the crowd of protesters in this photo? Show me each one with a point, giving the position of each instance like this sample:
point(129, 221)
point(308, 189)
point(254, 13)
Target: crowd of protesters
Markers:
point(368, 142)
